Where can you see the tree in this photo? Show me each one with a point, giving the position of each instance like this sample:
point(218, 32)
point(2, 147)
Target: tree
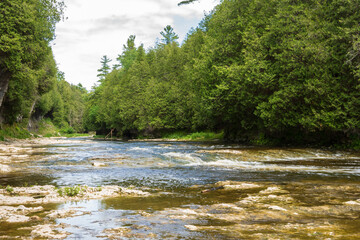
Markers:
point(168, 35)
point(26, 61)
point(129, 53)
point(283, 69)
point(105, 68)
point(186, 2)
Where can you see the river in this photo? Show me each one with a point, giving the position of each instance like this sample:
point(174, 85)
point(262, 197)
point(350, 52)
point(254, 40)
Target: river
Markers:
point(198, 190)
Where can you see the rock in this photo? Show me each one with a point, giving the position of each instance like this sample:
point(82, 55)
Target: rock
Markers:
point(191, 227)
point(98, 164)
point(234, 185)
point(36, 218)
point(270, 190)
point(277, 208)
point(17, 214)
point(64, 213)
point(114, 233)
point(212, 189)
point(134, 192)
point(357, 202)
point(48, 231)
point(17, 219)
point(48, 194)
point(5, 168)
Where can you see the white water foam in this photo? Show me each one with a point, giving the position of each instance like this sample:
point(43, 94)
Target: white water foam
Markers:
point(140, 149)
point(262, 166)
point(188, 157)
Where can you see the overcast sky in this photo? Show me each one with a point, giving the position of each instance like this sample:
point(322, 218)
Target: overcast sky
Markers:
point(94, 28)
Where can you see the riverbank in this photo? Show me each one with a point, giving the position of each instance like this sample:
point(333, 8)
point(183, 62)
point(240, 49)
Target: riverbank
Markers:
point(14, 151)
point(27, 205)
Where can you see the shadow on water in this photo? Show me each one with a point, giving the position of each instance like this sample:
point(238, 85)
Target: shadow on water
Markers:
point(25, 179)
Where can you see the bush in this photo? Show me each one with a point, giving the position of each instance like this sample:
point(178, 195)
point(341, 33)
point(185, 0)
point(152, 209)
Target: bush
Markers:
point(9, 189)
point(14, 131)
point(67, 130)
point(70, 191)
point(199, 136)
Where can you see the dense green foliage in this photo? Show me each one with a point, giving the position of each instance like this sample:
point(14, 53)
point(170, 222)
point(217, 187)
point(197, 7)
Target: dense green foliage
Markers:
point(255, 70)
point(31, 87)
point(64, 104)
point(27, 67)
point(18, 131)
point(287, 70)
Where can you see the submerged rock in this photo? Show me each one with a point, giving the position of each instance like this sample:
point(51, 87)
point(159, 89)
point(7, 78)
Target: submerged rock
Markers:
point(272, 190)
point(64, 213)
point(98, 164)
point(48, 231)
point(191, 227)
point(126, 233)
point(17, 218)
point(357, 202)
point(277, 208)
point(17, 214)
point(49, 194)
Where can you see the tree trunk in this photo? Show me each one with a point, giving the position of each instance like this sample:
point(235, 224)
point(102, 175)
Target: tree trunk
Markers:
point(30, 122)
point(4, 84)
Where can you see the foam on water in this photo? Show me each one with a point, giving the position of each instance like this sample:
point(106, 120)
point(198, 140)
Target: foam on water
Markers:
point(187, 157)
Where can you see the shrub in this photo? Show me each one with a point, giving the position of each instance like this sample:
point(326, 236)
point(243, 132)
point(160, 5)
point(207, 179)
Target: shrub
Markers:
point(9, 189)
point(70, 191)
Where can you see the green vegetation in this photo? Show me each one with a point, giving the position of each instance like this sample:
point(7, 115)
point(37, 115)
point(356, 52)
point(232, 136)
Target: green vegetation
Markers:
point(198, 136)
point(263, 72)
point(9, 189)
point(27, 66)
point(71, 191)
point(31, 87)
point(14, 131)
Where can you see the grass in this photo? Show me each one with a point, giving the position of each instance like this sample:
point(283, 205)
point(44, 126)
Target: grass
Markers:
point(45, 128)
point(71, 135)
point(18, 131)
point(71, 191)
point(196, 136)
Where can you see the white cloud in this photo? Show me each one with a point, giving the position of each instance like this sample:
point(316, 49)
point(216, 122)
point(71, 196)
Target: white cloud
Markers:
point(100, 27)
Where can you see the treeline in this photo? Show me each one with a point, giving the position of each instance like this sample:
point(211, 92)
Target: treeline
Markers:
point(31, 86)
point(259, 70)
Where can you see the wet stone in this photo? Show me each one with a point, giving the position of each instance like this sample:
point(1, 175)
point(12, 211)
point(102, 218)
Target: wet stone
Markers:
point(48, 231)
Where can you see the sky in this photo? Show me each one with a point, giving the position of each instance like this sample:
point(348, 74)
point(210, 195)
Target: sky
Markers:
point(94, 28)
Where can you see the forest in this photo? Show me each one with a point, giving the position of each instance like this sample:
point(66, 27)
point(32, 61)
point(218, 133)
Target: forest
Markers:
point(261, 72)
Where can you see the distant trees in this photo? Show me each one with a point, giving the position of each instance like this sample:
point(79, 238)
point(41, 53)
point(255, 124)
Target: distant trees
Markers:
point(64, 104)
point(168, 35)
point(105, 67)
point(256, 69)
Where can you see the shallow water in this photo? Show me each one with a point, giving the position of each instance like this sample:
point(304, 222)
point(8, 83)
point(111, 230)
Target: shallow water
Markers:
point(299, 193)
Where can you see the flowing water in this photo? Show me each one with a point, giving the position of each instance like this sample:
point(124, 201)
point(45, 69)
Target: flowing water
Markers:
point(199, 190)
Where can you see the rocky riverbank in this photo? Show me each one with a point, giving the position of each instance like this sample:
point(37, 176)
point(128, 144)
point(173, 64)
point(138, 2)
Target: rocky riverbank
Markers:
point(25, 150)
point(25, 205)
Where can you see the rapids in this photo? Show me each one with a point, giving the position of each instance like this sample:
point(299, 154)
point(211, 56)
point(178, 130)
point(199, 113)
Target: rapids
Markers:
point(198, 190)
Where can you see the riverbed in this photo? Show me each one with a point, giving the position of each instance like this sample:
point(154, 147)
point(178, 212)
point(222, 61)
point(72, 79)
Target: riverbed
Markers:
point(187, 190)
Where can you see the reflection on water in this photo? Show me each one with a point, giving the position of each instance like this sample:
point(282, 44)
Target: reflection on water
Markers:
point(313, 191)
